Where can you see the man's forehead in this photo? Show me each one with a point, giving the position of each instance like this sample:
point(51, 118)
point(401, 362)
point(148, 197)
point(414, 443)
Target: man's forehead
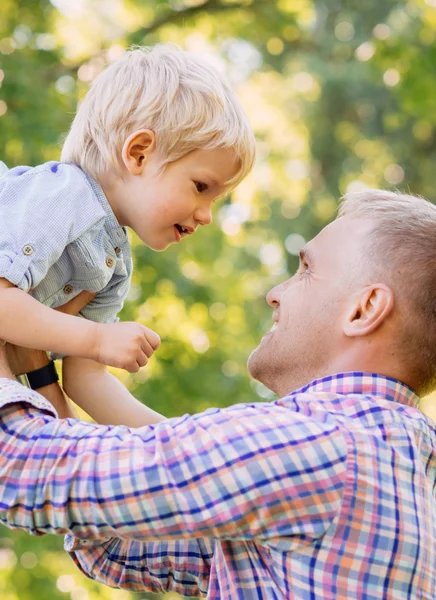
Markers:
point(342, 237)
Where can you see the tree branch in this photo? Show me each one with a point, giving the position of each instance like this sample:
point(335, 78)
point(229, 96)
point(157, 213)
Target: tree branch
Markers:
point(210, 6)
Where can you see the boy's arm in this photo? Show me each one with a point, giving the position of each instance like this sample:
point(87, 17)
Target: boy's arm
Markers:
point(23, 360)
point(26, 322)
point(102, 395)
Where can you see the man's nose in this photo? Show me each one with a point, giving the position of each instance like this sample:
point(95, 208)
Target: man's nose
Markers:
point(273, 296)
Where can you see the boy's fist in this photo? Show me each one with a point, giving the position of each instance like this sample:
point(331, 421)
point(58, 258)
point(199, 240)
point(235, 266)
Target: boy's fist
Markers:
point(125, 345)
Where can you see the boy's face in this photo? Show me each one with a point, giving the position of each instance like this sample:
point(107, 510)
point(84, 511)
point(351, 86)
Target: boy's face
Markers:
point(162, 207)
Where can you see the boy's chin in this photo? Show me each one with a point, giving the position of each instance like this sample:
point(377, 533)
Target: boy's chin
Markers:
point(159, 246)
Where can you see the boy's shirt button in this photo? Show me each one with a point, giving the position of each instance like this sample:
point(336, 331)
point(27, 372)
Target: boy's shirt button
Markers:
point(117, 250)
point(110, 261)
point(68, 289)
point(28, 250)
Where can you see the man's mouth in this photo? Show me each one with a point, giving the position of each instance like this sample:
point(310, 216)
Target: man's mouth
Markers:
point(271, 331)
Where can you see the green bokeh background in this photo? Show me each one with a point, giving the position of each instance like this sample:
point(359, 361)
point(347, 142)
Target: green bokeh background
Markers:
point(341, 95)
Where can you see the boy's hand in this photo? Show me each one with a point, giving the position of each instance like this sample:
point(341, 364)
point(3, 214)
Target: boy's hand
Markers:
point(125, 345)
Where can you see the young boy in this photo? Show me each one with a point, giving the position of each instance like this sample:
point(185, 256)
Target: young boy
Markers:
point(158, 138)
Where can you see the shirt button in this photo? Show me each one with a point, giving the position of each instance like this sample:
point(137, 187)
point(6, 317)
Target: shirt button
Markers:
point(117, 250)
point(68, 289)
point(110, 261)
point(27, 250)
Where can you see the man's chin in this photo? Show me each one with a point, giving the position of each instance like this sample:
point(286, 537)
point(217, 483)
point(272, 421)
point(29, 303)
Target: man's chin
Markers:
point(263, 368)
point(255, 365)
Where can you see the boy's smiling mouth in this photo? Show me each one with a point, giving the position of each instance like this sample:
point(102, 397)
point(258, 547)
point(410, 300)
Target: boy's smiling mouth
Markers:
point(182, 231)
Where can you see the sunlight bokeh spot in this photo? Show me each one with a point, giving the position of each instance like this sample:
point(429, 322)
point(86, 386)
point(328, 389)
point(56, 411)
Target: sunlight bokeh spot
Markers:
point(29, 560)
point(65, 583)
point(391, 77)
point(344, 31)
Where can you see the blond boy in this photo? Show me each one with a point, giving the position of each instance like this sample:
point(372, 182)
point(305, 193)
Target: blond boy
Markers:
point(158, 138)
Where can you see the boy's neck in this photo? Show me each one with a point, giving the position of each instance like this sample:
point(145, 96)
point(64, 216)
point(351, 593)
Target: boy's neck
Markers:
point(111, 190)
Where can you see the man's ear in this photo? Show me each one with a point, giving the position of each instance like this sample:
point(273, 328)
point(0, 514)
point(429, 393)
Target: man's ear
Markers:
point(369, 311)
point(136, 150)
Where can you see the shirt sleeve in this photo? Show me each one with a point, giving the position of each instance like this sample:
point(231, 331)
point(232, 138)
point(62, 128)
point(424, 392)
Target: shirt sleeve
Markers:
point(42, 210)
point(249, 472)
point(158, 567)
point(106, 305)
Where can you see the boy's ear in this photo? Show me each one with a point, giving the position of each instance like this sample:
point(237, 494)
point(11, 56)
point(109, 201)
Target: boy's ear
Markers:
point(136, 150)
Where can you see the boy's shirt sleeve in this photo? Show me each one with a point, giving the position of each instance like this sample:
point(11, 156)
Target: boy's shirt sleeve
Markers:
point(107, 304)
point(42, 210)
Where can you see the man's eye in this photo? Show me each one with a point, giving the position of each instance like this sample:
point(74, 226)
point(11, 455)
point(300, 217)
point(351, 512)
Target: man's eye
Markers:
point(304, 269)
point(201, 187)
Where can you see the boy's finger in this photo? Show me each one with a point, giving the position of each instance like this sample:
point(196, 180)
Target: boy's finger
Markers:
point(74, 306)
point(152, 338)
point(147, 348)
point(142, 361)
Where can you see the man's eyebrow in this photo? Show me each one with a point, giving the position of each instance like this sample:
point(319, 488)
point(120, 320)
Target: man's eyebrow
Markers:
point(306, 256)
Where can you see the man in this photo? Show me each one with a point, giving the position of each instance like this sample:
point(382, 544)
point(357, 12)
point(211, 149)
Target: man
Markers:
point(327, 493)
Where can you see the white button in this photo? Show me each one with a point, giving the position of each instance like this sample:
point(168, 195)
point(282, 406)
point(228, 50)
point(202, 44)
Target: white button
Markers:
point(28, 250)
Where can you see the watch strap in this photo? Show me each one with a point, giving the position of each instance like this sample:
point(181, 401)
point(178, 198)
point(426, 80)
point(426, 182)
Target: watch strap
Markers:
point(44, 376)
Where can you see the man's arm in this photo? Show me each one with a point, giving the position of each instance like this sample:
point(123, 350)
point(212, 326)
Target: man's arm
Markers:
point(208, 475)
point(176, 566)
point(25, 360)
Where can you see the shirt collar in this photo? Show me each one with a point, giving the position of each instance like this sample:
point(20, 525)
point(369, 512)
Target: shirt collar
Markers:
point(116, 232)
point(368, 384)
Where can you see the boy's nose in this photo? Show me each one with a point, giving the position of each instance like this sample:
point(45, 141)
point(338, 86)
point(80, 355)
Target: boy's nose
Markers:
point(203, 215)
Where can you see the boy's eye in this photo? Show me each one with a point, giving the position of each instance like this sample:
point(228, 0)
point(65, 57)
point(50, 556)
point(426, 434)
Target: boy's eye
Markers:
point(201, 187)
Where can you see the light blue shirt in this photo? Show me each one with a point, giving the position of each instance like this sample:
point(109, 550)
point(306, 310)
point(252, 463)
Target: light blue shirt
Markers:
point(59, 236)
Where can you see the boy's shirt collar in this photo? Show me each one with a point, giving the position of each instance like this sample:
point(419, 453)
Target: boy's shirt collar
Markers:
point(117, 233)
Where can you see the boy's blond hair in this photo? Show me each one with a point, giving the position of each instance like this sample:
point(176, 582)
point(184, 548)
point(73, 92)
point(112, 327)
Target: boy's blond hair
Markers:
point(401, 251)
point(181, 98)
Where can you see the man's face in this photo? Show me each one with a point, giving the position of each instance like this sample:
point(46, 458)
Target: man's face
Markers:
point(310, 308)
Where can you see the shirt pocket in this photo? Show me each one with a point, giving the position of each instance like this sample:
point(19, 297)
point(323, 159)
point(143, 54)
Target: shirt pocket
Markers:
point(89, 267)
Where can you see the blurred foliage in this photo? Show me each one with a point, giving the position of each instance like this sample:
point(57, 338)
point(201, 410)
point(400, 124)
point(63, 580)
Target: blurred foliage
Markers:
point(341, 95)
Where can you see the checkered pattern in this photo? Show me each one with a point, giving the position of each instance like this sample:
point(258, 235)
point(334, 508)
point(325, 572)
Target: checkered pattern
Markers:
point(59, 236)
point(327, 493)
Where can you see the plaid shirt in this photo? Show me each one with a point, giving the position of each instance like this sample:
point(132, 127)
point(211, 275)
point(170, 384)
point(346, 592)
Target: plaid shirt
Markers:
point(327, 493)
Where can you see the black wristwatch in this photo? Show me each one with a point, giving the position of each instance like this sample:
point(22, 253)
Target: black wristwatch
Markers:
point(43, 376)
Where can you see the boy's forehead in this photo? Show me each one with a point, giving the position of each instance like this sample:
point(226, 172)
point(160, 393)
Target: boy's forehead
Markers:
point(221, 164)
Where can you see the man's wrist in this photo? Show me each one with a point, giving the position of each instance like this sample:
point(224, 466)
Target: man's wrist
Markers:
point(43, 376)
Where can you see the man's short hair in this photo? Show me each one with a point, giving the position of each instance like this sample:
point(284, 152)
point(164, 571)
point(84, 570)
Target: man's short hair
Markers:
point(401, 251)
point(184, 100)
